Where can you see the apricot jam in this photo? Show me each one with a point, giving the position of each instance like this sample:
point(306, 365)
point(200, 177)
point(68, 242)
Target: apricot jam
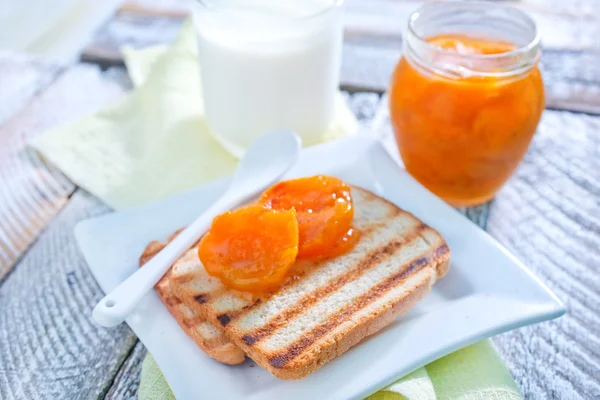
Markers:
point(252, 248)
point(324, 210)
point(256, 248)
point(464, 109)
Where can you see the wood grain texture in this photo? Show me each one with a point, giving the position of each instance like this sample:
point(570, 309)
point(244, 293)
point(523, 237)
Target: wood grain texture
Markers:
point(50, 348)
point(572, 80)
point(126, 382)
point(21, 77)
point(57, 29)
point(31, 193)
point(548, 216)
point(364, 106)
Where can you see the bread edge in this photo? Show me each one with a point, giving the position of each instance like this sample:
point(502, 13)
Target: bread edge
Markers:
point(225, 353)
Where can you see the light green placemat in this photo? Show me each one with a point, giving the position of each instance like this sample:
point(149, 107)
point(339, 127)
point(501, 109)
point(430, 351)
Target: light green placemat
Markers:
point(473, 373)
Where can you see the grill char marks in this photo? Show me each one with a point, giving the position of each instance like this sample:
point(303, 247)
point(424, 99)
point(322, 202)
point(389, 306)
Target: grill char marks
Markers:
point(224, 319)
point(306, 270)
point(291, 335)
point(370, 260)
point(170, 301)
point(393, 212)
point(201, 298)
point(282, 358)
point(442, 250)
point(373, 226)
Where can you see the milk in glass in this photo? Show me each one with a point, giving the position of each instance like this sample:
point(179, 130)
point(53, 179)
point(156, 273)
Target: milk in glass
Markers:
point(268, 65)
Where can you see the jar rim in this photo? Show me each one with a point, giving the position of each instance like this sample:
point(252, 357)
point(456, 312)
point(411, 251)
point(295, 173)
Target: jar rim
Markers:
point(335, 4)
point(534, 43)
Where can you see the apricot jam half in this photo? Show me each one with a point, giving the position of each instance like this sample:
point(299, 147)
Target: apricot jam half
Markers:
point(324, 210)
point(463, 135)
point(252, 248)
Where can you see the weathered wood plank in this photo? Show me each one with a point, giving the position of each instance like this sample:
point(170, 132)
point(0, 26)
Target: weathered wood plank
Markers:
point(59, 29)
point(479, 214)
point(364, 106)
point(547, 215)
point(21, 77)
point(50, 348)
point(373, 46)
point(127, 381)
point(572, 80)
point(31, 193)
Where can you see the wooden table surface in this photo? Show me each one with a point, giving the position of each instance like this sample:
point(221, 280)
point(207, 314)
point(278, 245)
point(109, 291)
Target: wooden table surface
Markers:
point(548, 214)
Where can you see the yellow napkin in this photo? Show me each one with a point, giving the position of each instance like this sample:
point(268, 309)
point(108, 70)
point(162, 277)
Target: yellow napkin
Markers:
point(153, 142)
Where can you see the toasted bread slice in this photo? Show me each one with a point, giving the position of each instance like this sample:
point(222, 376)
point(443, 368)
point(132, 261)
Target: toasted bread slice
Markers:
point(205, 335)
point(335, 303)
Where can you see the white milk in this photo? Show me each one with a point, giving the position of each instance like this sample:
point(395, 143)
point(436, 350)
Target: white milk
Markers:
point(269, 64)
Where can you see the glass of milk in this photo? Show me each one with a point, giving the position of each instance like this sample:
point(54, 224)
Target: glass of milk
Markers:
point(268, 65)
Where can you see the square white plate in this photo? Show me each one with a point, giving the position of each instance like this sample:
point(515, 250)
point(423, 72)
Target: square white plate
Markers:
point(486, 292)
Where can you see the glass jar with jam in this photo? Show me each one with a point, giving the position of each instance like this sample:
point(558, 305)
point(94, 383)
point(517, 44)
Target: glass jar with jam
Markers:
point(466, 97)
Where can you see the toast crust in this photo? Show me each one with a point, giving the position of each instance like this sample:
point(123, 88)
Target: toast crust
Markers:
point(407, 280)
point(210, 339)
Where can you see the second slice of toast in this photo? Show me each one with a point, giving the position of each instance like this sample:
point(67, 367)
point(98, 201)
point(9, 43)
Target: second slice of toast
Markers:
point(335, 303)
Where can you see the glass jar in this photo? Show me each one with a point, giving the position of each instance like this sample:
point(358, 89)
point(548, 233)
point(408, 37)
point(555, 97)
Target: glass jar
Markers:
point(466, 97)
point(268, 65)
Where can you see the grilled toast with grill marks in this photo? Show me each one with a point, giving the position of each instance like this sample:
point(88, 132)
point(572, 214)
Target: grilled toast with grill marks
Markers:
point(333, 304)
point(209, 338)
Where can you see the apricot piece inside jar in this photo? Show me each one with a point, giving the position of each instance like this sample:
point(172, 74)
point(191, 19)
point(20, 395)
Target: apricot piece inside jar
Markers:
point(252, 248)
point(462, 134)
point(324, 210)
